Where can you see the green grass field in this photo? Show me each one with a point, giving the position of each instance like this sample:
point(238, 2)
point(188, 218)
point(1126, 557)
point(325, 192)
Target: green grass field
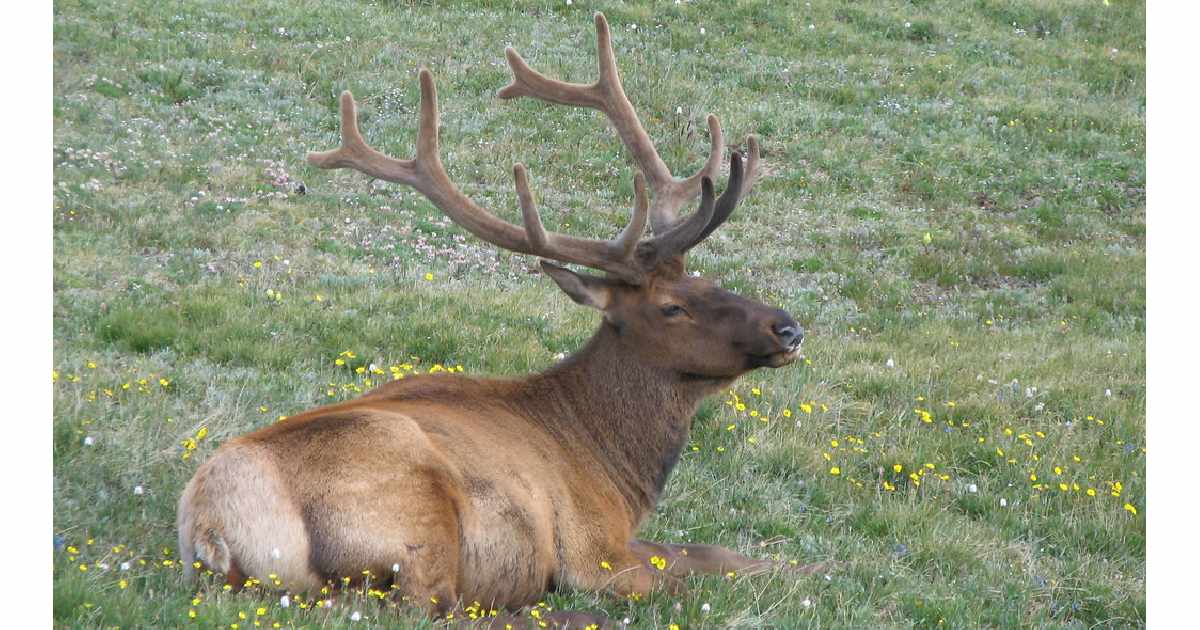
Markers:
point(955, 211)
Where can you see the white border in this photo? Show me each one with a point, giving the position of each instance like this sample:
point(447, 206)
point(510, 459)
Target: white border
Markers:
point(1171, 337)
point(1173, 106)
point(27, 41)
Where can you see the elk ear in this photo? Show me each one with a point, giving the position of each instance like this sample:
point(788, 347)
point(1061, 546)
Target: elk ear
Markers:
point(584, 289)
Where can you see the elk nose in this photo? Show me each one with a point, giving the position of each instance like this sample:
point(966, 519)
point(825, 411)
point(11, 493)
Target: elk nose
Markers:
point(789, 332)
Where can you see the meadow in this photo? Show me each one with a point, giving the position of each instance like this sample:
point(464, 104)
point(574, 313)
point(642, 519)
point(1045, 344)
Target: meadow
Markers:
point(955, 211)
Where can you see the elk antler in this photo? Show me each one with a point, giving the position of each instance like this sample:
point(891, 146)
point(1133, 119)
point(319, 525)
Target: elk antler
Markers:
point(426, 174)
point(608, 96)
point(625, 256)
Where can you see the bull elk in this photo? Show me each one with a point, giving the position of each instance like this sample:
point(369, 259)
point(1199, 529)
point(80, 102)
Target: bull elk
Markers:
point(497, 491)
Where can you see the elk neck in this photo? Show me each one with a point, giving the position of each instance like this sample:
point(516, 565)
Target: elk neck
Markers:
point(632, 418)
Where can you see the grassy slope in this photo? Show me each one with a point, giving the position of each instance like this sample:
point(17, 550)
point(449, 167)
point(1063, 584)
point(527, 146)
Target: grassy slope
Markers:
point(195, 292)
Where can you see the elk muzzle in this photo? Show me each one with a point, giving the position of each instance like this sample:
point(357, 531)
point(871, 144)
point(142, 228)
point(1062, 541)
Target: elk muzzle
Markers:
point(779, 345)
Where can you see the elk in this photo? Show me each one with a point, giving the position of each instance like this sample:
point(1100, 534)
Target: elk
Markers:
point(499, 490)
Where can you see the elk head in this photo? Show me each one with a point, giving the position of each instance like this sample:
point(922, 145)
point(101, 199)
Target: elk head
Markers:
point(660, 315)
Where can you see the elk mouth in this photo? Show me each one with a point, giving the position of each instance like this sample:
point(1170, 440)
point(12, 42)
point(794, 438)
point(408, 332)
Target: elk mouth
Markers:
point(775, 359)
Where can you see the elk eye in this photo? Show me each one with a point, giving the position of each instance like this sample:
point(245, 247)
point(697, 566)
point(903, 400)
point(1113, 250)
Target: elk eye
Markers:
point(672, 310)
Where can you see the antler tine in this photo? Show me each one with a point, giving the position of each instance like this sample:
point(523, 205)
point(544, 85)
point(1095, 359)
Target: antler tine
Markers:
point(632, 233)
point(713, 165)
point(752, 165)
point(622, 247)
point(357, 154)
point(734, 191)
point(534, 231)
point(426, 174)
point(608, 95)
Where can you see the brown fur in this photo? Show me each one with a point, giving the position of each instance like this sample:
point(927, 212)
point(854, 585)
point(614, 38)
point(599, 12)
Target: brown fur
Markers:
point(492, 490)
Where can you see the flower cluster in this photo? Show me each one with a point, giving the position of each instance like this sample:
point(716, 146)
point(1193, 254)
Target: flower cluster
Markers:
point(115, 390)
point(368, 375)
point(1041, 455)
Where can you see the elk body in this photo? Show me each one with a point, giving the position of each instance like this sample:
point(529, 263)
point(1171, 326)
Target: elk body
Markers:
point(497, 491)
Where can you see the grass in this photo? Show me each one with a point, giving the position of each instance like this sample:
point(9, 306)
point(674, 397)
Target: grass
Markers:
point(198, 295)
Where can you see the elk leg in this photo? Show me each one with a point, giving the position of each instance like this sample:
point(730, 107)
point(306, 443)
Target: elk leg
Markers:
point(637, 576)
point(684, 560)
point(235, 579)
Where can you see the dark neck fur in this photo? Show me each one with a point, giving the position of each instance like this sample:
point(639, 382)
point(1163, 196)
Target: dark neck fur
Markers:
point(634, 418)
